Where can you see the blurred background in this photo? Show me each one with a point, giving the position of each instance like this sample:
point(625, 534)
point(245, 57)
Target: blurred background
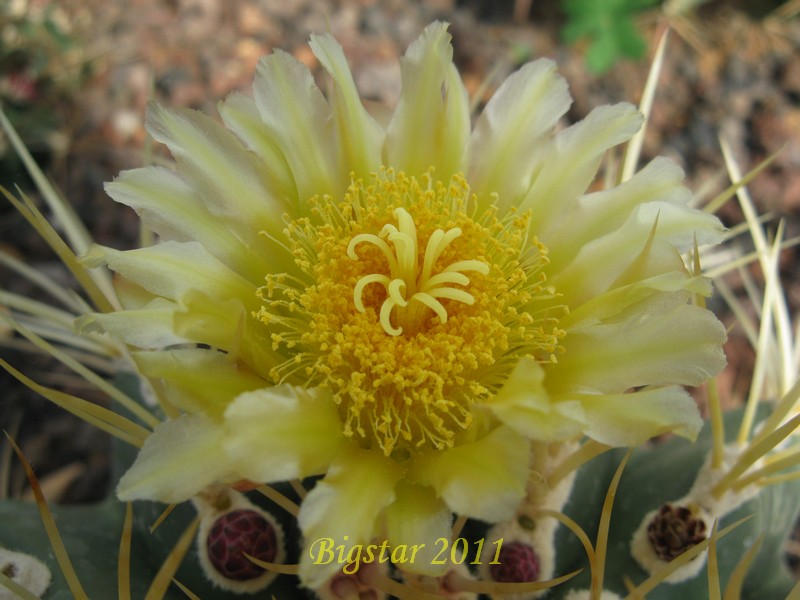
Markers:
point(75, 78)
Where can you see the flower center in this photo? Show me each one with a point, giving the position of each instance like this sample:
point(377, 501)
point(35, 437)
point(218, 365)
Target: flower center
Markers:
point(409, 307)
point(413, 292)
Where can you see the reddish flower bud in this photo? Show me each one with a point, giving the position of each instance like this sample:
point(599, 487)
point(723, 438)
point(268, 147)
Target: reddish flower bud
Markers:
point(235, 534)
point(518, 564)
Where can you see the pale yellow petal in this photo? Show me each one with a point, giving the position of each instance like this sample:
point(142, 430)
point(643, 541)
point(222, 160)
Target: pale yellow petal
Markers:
point(343, 507)
point(417, 518)
point(240, 115)
point(603, 212)
point(358, 135)
point(513, 129)
point(613, 303)
point(208, 320)
point(601, 262)
point(659, 345)
point(565, 169)
point(132, 295)
point(282, 432)
point(525, 406)
point(180, 458)
point(171, 269)
point(484, 479)
point(226, 325)
point(431, 124)
point(299, 121)
point(198, 380)
point(169, 206)
point(678, 225)
point(225, 175)
point(633, 418)
point(151, 326)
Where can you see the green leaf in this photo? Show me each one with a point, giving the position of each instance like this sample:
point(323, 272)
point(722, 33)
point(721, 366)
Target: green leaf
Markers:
point(609, 27)
point(603, 51)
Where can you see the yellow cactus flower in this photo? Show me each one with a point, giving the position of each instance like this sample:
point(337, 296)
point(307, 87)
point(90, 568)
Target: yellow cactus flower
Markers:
point(402, 310)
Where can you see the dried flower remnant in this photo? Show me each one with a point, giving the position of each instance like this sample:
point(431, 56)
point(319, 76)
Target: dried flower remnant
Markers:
point(24, 570)
point(675, 529)
point(679, 525)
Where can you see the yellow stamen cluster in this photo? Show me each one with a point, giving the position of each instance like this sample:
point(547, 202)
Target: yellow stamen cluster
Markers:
point(407, 360)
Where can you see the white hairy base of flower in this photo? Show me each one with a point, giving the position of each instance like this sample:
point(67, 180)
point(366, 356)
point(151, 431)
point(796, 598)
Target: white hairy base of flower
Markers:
point(556, 497)
point(27, 571)
point(644, 553)
point(707, 507)
point(708, 477)
point(587, 595)
point(540, 495)
point(439, 585)
point(541, 539)
point(207, 505)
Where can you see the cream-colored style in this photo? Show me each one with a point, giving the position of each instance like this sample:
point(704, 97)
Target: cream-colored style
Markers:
point(402, 310)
